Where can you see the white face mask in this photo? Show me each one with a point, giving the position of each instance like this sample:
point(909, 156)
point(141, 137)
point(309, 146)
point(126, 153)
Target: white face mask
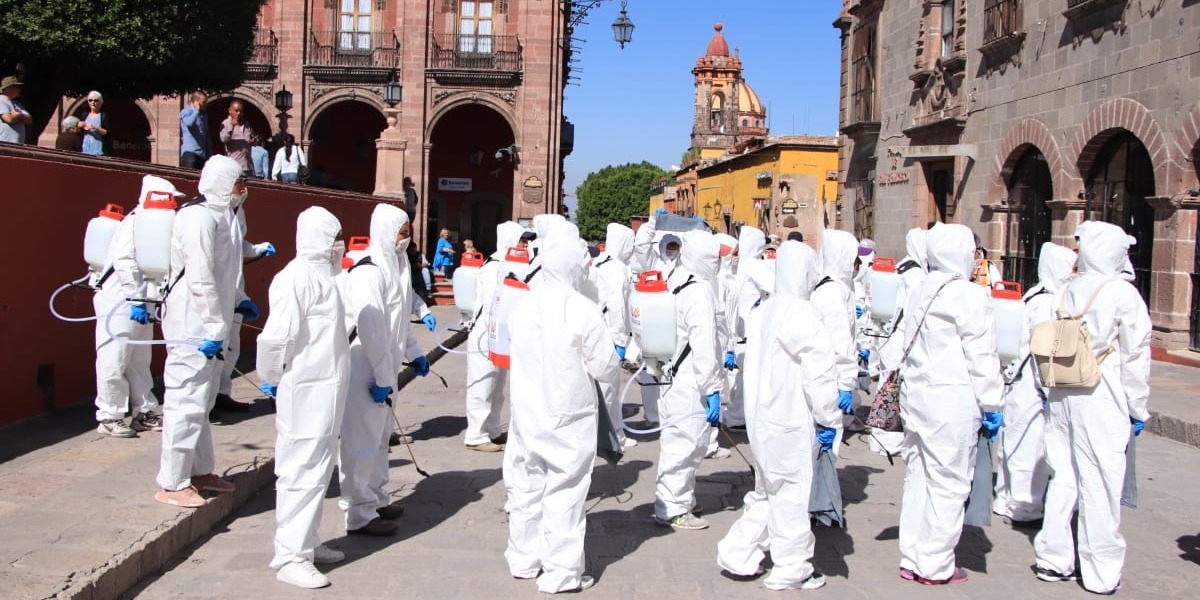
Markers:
point(237, 200)
point(336, 253)
point(402, 245)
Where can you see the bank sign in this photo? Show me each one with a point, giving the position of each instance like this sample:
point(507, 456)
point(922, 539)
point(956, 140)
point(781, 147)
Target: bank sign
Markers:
point(454, 184)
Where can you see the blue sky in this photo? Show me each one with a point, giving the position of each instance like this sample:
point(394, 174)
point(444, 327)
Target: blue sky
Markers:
point(636, 104)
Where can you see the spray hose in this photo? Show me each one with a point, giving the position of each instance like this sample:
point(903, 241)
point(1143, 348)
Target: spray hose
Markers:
point(58, 291)
point(679, 419)
point(124, 337)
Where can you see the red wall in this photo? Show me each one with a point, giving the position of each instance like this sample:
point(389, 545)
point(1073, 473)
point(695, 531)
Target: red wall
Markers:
point(47, 199)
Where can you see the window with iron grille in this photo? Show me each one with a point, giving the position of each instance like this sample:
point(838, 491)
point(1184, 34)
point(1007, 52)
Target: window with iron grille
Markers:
point(1001, 18)
point(863, 95)
point(354, 25)
point(475, 26)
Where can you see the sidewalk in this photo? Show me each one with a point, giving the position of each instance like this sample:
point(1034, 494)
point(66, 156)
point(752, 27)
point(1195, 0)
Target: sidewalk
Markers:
point(77, 507)
point(1175, 402)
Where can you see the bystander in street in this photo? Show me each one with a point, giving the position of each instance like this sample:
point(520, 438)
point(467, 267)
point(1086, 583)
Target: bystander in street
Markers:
point(194, 145)
point(237, 134)
point(69, 137)
point(289, 161)
point(95, 126)
point(13, 116)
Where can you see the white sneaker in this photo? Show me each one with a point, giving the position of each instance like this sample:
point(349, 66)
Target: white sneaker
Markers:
point(116, 428)
point(814, 582)
point(324, 555)
point(685, 521)
point(719, 453)
point(302, 574)
point(629, 443)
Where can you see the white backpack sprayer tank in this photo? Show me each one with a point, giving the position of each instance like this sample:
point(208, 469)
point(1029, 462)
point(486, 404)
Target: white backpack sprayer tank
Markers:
point(152, 235)
point(652, 316)
point(356, 249)
point(516, 262)
point(99, 236)
point(465, 278)
point(499, 336)
point(883, 283)
point(1008, 309)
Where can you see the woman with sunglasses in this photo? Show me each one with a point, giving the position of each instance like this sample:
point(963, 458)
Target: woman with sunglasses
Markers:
point(95, 126)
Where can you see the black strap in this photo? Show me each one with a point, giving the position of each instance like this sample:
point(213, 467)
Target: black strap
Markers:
point(823, 281)
point(906, 265)
point(690, 280)
point(366, 260)
point(687, 351)
point(194, 201)
point(1036, 294)
point(603, 262)
point(167, 293)
point(103, 278)
point(353, 333)
point(529, 277)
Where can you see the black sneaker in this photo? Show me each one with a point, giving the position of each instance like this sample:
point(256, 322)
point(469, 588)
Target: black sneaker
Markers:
point(376, 528)
point(1052, 575)
point(225, 403)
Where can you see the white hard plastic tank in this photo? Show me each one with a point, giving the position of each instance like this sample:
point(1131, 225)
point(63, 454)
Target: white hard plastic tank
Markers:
point(883, 283)
point(652, 315)
point(499, 336)
point(152, 234)
point(465, 277)
point(1008, 310)
point(99, 234)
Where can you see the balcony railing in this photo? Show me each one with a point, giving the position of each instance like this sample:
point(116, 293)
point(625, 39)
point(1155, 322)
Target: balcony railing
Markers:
point(475, 56)
point(862, 98)
point(264, 55)
point(353, 55)
point(1001, 18)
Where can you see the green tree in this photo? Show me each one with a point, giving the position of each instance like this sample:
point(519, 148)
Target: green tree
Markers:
point(613, 195)
point(124, 48)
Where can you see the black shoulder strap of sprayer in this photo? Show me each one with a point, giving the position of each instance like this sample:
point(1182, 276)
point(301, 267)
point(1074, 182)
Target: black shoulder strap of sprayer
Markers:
point(194, 201)
point(687, 348)
point(104, 277)
point(905, 266)
point(603, 262)
point(824, 280)
point(690, 280)
point(529, 277)
point(1036, 294)
point(366, 260)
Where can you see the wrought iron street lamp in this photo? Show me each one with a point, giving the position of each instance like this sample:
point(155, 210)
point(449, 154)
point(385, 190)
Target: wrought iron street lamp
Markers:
point(623, 27)
point(393, 92)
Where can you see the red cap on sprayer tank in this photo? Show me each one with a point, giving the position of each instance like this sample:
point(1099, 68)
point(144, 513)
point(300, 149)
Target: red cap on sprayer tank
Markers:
point(1007, 290)
point(472, 259)
point(651, 281)
point(519, 255)
point(113, 211)
point(358, 242)
point(163, 200)
point(884, 264)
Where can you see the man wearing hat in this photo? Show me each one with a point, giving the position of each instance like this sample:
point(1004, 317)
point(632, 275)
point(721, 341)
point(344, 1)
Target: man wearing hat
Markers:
point(13, 116)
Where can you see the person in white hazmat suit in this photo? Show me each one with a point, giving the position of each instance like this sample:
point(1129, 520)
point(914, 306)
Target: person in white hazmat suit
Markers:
point(486, 381)
point(205, 266)
point(693, 400)
point(833, 299)
point(1088, 430)
point(911, 271)
point(123, 380)
point(304, 363)
point(952, 376)
point(753, 281)
point(1023, 474)
point(610, 271)
point(787, 353)
point(653, 251)
point(560, 347)
point(726, 307)
point(377, 295)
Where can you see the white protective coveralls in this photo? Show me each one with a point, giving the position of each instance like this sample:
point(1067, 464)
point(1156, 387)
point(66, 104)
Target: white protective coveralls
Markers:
point(787, 353)
point(752, 283)
point(486, 381)
point(233, 345)
point(833, 299)
point(303, 349)
point(559, 347)
point(951, 377)
point(610, 271)
point(205, 267)
point(123, 379)
point(650, 254)
point(378, 303)
point(683, 439)
point(1023, 474)
point(911, 271)
point(1088, 429)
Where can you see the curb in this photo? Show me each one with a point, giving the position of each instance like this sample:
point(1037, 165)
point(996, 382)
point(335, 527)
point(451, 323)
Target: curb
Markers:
point(1174, 429)
point(158, 547)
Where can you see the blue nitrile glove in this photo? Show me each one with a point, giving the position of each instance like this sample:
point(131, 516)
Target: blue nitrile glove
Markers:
point(270, 390)
point(864, 355)
point(138, 313)
point(421, 366)
point(1138, 426)
point(992, 422)
point(858, 311)
point(846, 401)
point(713, 415)
point(380, 394)
point(826, 436)
point(660, 212)
point(621, 352)
point(429, 322)
point(266, 249)
point(248, 309)
point(210, 348)
point(730, 360)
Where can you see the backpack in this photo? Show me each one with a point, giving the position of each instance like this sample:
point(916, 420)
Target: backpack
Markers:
point(1061, 347)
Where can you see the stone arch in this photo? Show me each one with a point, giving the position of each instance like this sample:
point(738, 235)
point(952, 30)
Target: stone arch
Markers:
point(1187, 146)
point(322, 103)
point(463, 98)
point(1110, 118)
point(1026, 133)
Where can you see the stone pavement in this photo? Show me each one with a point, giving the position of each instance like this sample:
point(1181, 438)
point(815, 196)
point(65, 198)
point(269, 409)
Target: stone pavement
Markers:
point(79, 520)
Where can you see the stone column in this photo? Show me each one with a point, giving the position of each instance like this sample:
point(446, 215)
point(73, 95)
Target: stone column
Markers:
point(389, 160)
point(1065, 215)
point(1173, 260)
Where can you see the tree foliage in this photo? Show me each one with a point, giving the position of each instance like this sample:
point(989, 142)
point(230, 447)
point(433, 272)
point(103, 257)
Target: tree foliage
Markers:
point(124, 48)
point(613, 195)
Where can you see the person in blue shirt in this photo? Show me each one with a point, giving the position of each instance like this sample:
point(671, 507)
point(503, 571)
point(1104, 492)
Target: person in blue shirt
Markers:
point(194, 146)
point(95, 126)
point(443, 255)
point(260, 158)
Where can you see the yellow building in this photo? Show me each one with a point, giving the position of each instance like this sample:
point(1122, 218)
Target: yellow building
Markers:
point(789, 176)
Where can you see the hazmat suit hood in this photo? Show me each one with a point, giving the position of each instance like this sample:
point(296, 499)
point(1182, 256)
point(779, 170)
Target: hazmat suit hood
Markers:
point(152, 183)
point(700, 254)
point(317, 231)
point(751, 243)
point(542, 224)
point(1103, 249)
point(662, 246)
point(914, 247)
point(508, 234)
point(838, 251)
point(951, 249)
point(217, 179)
point(1055, 265)
point(728, 244)
point(618, 242)
point(560, 228)
point(564, 261)
point(796, 272)
point(386, 221)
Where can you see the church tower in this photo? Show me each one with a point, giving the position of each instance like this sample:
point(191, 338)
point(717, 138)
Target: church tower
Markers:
point(727, 111)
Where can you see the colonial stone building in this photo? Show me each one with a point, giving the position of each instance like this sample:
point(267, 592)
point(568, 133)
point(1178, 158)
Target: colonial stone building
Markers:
point(1022, 118)
point(479, 127)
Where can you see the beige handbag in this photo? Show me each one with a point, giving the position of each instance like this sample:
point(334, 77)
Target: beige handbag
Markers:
point(1062, 348)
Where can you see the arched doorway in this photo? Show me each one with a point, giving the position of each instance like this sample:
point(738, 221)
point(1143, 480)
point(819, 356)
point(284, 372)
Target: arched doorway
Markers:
point(1120, 181)
point(1029, 188)
point(341, 152)
point(218, 110)
point(470, 189)
point(128, 129)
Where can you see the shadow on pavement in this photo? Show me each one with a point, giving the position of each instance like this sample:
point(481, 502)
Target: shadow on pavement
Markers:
point(1190, 545)
point(439, 427)
point(43, 431)
point(834, 544)
point(614, 534)
point(972, 550)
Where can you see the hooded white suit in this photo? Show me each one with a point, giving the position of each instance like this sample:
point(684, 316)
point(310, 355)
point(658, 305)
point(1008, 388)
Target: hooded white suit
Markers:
point(233, 346)
point(911, 271)
point(787, 353)
point(1023, 474)
point(950, 378)
point(563, 348)
point(683, 441)
point(752, 283)
point(1088, 429)
point(123, 379)
point(650, 254)
point(485, 381)
point(833, 299)
point(378, 303)
point(610, 271)
point(303, 349)
point(205, 267)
